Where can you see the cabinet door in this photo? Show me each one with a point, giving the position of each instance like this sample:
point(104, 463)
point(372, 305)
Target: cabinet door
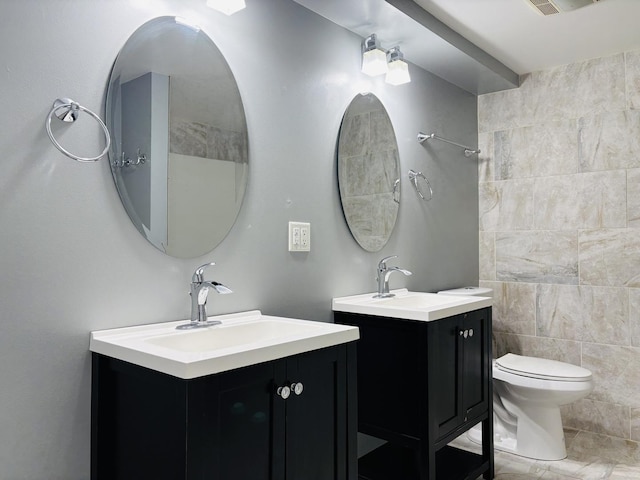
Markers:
point(459, 369)
point(476, 365)
point(445, 360)
point(316, 418)
point(236, 424)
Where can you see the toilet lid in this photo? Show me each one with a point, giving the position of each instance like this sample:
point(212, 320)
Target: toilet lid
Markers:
point(542, 368)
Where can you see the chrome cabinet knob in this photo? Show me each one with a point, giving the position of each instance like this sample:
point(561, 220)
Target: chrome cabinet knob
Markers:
point(297, 388)
point(466, 333)
point(283, 392)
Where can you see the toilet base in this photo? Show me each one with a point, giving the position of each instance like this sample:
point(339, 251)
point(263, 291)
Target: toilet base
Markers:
point(499, 442)
point(546, 447)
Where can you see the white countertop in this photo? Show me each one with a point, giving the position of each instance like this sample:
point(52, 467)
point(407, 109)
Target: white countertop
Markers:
point(410, 305)
point(243, 339)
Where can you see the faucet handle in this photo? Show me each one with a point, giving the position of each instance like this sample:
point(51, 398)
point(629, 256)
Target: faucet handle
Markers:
point(198, 274)
point(382, 265)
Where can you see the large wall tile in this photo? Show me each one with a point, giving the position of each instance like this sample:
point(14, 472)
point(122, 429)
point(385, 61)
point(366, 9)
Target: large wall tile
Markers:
point(607, 319)
point(485, 157)
point(514, 307)
point(506, 205)
point(588, 200)
point(560, 311)
point(541, 150)
point(543, 347)
point(607, 448)
point(632, 70)
point(597, 417)
point(634, 316)
point(487, 256)
point(609, 141)
point(579, 89)
point(588, 314)
point(539, 257)
point(635, 424)
point(616, 373)
point(188, 138)
point(506, 109)
point(633, 198)
point(610, 257)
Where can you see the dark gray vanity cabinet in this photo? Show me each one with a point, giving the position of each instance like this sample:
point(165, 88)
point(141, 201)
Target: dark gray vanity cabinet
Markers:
point(228, 426)
point(420, 386)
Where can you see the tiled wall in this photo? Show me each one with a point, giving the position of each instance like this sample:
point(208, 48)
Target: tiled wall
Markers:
point(206, 141)
point(559, 210)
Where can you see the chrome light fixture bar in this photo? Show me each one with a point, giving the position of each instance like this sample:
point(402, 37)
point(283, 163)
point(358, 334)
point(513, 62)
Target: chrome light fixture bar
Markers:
point(398, 69)
point(228, 7)
point(374, 58)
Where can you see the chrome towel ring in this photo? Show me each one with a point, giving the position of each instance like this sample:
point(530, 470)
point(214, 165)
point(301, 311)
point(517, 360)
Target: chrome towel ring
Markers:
point(69, 113)
point(414, 176)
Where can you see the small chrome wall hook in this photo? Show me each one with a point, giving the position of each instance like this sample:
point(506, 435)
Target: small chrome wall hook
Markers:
point(125, 161)
point(141, 158)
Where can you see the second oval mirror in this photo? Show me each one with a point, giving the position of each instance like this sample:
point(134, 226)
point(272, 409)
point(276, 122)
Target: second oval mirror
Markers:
point(368, 172)
point(179, 155)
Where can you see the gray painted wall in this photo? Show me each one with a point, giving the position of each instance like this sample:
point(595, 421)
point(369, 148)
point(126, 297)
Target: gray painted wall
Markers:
point(72, 262)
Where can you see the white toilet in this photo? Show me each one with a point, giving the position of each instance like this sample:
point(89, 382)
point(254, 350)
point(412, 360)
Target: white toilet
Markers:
point(527, 395)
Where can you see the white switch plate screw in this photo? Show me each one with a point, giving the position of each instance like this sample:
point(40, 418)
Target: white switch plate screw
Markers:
point(299, 237)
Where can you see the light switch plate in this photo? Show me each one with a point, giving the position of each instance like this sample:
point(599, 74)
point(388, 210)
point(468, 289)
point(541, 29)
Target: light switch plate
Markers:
point(299, 237)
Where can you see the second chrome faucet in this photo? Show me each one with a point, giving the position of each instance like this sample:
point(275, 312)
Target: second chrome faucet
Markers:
point(384, 273)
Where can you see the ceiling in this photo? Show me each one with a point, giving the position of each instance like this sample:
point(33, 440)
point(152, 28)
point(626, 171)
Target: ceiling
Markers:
point(525, 41)
point(483, 45)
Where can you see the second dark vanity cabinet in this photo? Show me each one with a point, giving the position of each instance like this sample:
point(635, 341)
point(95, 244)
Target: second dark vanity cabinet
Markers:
point(421, 385)
point(234, 425)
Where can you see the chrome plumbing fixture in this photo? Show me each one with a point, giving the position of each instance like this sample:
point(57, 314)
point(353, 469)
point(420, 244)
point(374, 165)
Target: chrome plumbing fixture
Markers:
point(384, 273)
point(199, 293)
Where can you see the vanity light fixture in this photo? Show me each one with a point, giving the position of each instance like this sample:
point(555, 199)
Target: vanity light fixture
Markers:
point(374, 58)
point(228, 7)
point(398, 69)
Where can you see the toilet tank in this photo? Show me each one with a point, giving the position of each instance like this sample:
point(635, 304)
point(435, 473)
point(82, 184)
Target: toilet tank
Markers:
point(469, 292)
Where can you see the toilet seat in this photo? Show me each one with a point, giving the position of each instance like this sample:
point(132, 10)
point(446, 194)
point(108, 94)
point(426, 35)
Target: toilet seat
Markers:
point(541, 368)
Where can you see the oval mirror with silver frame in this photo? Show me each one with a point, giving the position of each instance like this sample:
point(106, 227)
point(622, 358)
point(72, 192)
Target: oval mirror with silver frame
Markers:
point(179, 155)
point(368, 172)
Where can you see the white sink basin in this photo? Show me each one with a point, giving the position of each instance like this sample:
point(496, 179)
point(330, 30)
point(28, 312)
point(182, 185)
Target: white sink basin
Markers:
point(410, 305)
point(241, 339)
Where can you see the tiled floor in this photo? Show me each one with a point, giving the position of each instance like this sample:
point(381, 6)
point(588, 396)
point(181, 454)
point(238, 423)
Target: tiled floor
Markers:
point(590, 457)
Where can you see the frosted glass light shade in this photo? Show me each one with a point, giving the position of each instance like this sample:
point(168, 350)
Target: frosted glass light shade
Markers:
point(398, 73)
point(228, 7)
point(374, 62)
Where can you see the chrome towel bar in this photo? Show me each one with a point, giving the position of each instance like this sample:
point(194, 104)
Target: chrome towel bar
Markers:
point(468, 151)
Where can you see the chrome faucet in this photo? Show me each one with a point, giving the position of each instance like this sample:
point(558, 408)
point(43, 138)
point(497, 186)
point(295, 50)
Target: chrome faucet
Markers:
point(199, 293)
point(384, 273)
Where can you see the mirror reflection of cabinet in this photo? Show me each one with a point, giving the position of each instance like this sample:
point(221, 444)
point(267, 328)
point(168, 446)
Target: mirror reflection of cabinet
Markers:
point(179, 154)
point(368, 172)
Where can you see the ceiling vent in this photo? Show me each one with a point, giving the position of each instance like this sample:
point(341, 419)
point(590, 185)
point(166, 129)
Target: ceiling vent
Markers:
point(551, 7)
